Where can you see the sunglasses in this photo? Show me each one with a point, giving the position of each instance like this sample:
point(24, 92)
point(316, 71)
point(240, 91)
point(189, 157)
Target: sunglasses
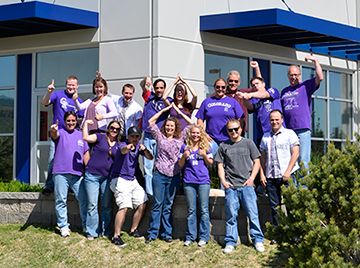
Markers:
point(235, 129)
point(220, 87)
point(114, 129)
point(70, 121)
point(233, 81)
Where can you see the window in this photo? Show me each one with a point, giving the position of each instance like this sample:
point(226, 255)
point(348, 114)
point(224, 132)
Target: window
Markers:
point(218, 66)
point(7, 115)
point(279, 75)
point(58, 65)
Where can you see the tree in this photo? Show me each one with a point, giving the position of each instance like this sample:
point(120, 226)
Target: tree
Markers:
point(322, 227)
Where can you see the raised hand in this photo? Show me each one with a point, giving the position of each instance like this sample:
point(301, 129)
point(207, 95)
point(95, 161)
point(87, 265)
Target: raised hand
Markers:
point(254, 64)
point(310, 58)
point(130, 147)
point(51, 87)
point(55, 127)
point(75, 96)
point(142, 147)
point(99, 117)
point(89, 122)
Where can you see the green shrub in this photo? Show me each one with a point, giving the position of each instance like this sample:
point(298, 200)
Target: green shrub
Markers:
point(16, 186)
point(323, 223)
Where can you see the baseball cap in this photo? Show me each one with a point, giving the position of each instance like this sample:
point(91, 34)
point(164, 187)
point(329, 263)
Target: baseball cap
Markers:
point(134, 131)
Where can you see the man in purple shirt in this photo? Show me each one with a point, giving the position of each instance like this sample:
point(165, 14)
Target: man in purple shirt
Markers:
point(127, 191)
point(261, 101)
point(296, 103)
point(62, 102)
point(154, 104)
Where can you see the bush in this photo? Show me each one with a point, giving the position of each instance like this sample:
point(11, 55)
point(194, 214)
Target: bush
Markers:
point(16, 186)
point(323, 223)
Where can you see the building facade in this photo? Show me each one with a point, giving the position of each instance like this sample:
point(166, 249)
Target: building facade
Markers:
point(202, 40)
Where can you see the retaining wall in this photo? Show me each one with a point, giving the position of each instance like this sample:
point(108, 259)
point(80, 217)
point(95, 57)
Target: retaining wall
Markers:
point(38, 209)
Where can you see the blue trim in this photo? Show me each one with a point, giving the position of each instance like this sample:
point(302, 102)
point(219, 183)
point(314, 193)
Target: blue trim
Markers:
point(23, 121)
point(39, 17)
point(281, 27)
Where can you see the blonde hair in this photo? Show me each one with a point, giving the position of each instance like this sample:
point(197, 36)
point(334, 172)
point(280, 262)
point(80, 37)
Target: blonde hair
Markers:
point(204, 143)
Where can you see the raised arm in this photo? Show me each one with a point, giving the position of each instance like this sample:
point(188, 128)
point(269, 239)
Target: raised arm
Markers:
point(318, 70)
point(188, 119)
point(54, 131)
point(156, 116)
point(192, 91)
point(46, 98)
point(168, 91)
point(146, 85)
point(86, 137)
point(256, 67)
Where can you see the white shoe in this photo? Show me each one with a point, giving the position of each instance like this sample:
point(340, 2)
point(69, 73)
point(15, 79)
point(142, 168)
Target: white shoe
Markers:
point(187, 243)
point(228, 249)
point(202, 243)
point(259, 246)
point(65, 231)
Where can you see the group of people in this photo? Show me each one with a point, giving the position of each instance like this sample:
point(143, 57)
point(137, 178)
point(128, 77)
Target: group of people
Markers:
point(102, 157)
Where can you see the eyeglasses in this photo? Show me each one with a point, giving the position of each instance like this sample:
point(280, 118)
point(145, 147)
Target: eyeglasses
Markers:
point(70, 121)
point(233, 81)
point(114, 129)
point(235, 129)
point(220, 87)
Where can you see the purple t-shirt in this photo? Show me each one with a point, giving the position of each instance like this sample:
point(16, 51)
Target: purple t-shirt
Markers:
point(154, 105)
point(62, 102)
point(216, 112)
point(69, 153)
point(296, 103)
point(124, 164)
point(100, 161)
point(195, 170)
point(263, 107)
point(183, 122)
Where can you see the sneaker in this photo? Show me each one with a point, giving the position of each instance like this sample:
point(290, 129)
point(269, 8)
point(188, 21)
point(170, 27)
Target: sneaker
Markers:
point(118, 242)
point(168, 239)
point(187, 243)
point(259, 246)
point(65, 231)
point(202, 243)
point(149, 240)
point(90, 238)
point(228, 249)
point(135, 233)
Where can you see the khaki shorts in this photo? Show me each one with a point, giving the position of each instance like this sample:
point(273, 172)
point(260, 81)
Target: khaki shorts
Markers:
point(128, 194)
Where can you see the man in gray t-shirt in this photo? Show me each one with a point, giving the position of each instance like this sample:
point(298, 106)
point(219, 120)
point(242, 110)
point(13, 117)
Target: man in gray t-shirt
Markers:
point(238, 163)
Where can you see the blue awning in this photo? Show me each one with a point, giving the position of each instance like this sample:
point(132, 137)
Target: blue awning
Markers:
point(285, 28)
point(38, 17)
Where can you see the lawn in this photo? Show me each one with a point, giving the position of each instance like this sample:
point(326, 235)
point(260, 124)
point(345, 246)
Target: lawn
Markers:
point(42, 247)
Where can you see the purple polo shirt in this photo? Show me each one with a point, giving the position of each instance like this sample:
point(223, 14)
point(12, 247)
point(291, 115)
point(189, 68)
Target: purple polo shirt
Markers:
point(263, 107)
point(154, 105)
point(195, 170)
point(100, 161)
point(62, 102)
point(124, 164)
point(69, 153)
point(296, 103)
point(216, 112)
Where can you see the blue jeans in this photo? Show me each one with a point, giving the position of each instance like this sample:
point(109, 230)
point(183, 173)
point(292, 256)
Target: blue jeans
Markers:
point(150, 144)
point(193, 193)
point(214, 147)
point(273, 187)
point(49, 184)
point(246, 197)
point(304, 136)
point(94, 183)
point(164, 188)
point(62, 183)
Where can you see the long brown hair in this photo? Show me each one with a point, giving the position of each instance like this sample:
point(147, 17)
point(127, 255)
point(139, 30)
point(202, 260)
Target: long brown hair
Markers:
point(186, 104)
point(177, 132)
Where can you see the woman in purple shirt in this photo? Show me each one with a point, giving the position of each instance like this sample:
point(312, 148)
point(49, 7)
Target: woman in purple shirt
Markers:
point(194, 160)
point(71, 153)
point(97, 178)
point(166, 175)
point(216, 111)
point(181, 100)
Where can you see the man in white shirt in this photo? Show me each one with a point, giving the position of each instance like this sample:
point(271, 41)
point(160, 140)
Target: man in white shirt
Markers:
point(129, 110)
point(279, 154)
